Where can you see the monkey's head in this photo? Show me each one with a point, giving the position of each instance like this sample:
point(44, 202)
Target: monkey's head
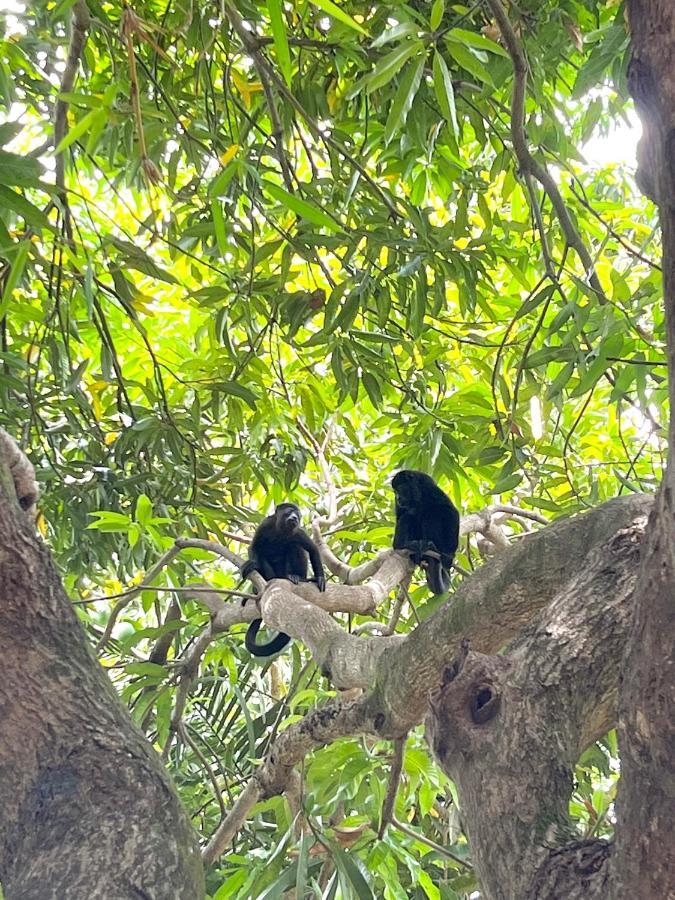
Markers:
point(409, 485)
point(287, 516)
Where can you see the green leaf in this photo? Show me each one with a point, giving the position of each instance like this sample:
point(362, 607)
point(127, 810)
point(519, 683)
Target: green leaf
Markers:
point(21, 171)
point(534, 301)
point(445, 93)
point(436, 17)
point(402, 30)
point(280, 39)
point(92, 119)
point(221, 182)
point(14, 277)
point(303, 857)
point(478, 40)
point(110, 522)
point(304, 209)
point(236, 390)
point(469, 61)
point(329, 7)
point(590, 378)
point(560, 381)
point(347, 312)
point(350, 870)
point(17, 203)
point(428, 886)
point(145, 668)
point(612, 45)
point(390, 65)
point(418, 305)
point(372, 386)
point(219, 225)
point(8, 131)
point(403, 99)
point(136, 258)
point(504, 485)
point(232, 884)
point(143, 509)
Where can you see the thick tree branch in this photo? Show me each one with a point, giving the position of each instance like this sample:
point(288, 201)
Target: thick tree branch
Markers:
point(78, 781)
point(492, 606)
point(525, 717)
point(645, 834)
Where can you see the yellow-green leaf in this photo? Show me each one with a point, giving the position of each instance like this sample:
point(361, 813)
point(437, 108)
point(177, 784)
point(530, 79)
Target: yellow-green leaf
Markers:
point(444, 92)
point(280, 38)
point(304, 209)
point(403, 98)
point(333, 10)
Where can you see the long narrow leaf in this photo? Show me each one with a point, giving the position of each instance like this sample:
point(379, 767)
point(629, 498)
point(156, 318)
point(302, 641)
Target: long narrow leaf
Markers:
point(14, 277)
point(304, 209)
point(17, 203)
point(280, 38)
point(403, 98)
point(91, 119)
point(390, 65)
point(444, 92)
point(353, 875)
point(474, 39)
point(469, 61)
point(333, 10)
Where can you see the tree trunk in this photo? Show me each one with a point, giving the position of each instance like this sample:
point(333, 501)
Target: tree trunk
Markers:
point(509, 729)
point(87, 808)
point(645, 834)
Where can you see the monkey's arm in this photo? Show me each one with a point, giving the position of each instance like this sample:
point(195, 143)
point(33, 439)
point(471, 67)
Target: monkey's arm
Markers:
point(315, 559)
point(406, 534)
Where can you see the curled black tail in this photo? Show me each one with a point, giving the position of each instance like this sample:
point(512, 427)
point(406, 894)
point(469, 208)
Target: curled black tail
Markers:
point(438, 576)
point(274, 646)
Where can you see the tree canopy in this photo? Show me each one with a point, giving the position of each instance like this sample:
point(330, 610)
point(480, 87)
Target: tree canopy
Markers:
point(256, 252)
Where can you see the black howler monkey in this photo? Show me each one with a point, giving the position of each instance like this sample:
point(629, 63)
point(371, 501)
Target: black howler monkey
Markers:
point(427, 524)
point(279, 549)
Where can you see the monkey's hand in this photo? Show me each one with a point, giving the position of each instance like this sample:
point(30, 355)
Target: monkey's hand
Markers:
point(321, 583)
point(248, 567)
point(429, 553)
point(415, 549)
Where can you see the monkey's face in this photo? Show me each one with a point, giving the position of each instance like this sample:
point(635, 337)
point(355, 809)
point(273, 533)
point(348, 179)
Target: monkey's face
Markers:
point(288, 516)
point(405, 490)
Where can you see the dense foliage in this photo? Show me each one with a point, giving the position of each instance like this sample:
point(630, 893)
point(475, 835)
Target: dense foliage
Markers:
point(291, 218)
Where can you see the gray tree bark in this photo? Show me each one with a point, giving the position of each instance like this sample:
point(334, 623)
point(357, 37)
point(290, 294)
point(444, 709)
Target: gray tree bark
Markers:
point(509, 729)
point(645, 836)
point(87, 808)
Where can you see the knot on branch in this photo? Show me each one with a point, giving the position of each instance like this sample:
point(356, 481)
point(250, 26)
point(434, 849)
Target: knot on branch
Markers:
point(485, 704)
point(468, 697)
point(577, 862)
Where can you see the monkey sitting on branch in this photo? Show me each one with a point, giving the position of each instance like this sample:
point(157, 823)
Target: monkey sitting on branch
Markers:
point(280, 549)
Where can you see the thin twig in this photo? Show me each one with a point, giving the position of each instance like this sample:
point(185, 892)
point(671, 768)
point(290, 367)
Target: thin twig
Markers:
point(124, 601)
point(197, 589)
point(79, 29)
point(528, 164)
point(251, 46)
point(429, 843)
